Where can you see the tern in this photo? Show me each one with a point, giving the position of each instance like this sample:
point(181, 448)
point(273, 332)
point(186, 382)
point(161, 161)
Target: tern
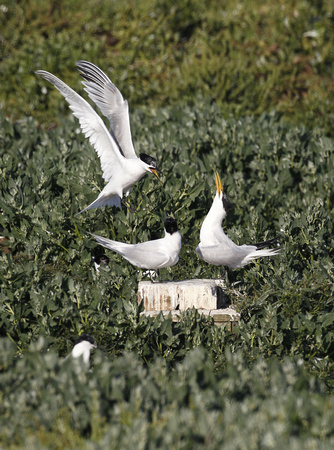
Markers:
point(121, 168)
point(82, 347)
point(216, 247)
point(100, 259)
point(152, 255)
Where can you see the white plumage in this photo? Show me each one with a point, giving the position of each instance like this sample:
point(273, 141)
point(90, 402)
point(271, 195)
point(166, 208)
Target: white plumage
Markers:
point(154, 254)
point(120, 166)
point(83, 346)
point(216, 247)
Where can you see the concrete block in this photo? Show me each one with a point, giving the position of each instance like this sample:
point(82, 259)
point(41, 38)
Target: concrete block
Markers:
point(227, 317)
point(181, 295)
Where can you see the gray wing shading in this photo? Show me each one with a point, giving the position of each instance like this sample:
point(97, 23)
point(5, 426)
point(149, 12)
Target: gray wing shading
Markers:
point(145, 255)
point(146, 259)
point(111, 103)
point(91, 125)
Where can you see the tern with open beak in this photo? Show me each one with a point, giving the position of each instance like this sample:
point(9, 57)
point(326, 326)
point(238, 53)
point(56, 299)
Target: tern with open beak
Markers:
point(216, 247)
point(120, 165)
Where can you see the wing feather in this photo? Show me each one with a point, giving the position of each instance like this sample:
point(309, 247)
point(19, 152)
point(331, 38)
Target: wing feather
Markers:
point(146, 255)
point(92, 126)
point(111, 103)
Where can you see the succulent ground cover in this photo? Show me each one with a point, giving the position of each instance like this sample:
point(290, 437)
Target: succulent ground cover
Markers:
point(186, 72)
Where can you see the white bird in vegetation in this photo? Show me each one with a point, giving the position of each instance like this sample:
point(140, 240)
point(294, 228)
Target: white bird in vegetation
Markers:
point(218, 249)
point(154, 254)
point(120, 165)
point(83, 346)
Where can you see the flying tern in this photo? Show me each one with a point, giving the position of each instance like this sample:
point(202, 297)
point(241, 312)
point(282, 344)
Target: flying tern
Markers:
point(154, 254)
point(216, 247)
point(121, 168)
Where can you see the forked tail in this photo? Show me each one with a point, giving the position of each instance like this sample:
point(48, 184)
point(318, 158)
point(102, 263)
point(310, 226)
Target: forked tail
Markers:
point(261, 253)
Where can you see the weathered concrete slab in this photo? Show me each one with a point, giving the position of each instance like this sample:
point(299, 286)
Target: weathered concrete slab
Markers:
point(181, 295)
point(221, 317)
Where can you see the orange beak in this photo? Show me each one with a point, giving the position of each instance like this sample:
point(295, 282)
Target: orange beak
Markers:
point(154, 171)
point(219, 185)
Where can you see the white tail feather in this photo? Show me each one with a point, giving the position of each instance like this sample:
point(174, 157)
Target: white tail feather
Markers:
point(259, 254)
point(115, 200)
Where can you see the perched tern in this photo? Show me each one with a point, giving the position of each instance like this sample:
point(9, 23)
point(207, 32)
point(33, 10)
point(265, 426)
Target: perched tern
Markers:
point(120, 165)
point(216, 247)
point(154, 254)
point(82, 347)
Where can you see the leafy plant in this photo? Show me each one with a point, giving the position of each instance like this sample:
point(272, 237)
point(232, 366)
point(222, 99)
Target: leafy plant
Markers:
point(250, 57)
point(153, 382)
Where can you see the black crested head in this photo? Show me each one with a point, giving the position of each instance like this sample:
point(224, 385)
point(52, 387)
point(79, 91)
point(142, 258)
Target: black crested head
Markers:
point(149, 160)
point(170, 225)
point(226, 203)
point(85, 337)
point(101, 259)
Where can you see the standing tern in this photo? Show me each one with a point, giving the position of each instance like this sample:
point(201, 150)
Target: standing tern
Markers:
point(154, 254)
point(216, 247)
point(120, 165)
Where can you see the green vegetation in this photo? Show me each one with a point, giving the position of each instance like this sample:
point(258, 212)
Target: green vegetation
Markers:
point(239, 88)
point(249, 56)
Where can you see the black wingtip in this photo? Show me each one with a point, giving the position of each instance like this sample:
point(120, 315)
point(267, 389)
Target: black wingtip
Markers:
point(91, 73)
point(267, 243)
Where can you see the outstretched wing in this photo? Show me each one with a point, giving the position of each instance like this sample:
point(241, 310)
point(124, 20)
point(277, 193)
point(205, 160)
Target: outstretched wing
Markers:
point(92, 126)
point(111, 103)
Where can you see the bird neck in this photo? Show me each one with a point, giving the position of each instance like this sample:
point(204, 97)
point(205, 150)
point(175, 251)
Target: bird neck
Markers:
point(213, 220)
point(217, 212)
point(173, 239)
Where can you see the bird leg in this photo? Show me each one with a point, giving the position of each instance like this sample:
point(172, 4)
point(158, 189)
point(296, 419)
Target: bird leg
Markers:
point(127, 204)
point(153, 273)
point(224, 275)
